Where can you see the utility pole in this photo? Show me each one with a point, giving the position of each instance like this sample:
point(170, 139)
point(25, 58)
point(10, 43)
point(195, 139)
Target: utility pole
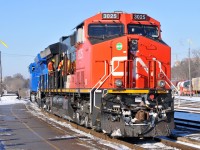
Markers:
point(1, 73)
point(190, 88)
point(1, 86)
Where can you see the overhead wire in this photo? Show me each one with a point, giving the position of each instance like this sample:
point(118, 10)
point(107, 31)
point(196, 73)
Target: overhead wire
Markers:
point(18, 55)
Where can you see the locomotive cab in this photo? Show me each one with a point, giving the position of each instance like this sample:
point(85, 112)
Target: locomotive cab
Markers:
point(131, 63)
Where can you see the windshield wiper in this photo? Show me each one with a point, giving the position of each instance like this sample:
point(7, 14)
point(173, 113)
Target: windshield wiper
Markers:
point(97, 37)
point(112, 35)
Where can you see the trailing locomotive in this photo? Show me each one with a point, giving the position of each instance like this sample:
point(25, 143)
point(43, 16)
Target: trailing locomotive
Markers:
point(36, 69)
point(115, 76)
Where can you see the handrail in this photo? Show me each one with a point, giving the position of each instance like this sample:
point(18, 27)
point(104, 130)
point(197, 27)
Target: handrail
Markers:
point(96, 85)
point(160, 66)
point(161, 70)
point(128, 64)
point(100, 86)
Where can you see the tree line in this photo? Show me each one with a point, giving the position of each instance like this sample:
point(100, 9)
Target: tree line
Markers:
point(16, 83)
point(180, 71)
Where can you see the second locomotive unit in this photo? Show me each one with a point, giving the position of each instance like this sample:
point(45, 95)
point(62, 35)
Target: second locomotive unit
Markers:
point(112, 74)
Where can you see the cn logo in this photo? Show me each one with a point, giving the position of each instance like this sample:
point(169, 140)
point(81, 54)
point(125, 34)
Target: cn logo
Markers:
point(115, 64)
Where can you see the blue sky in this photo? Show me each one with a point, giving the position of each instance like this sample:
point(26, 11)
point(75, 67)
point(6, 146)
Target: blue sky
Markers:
point(29, 26)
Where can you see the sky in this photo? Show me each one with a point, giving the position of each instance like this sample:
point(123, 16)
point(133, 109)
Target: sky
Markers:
point(29, 26)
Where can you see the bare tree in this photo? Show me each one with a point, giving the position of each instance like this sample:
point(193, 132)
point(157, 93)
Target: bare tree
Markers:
point(181, 70)
point(196, 65)
point(17, 83)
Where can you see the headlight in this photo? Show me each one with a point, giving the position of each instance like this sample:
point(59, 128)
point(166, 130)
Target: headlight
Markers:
point(133, 45)
point(161, 83)
point(118, 83)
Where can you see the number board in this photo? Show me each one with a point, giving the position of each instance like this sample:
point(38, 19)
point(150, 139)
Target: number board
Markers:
point(111, 16)
point(140, 17)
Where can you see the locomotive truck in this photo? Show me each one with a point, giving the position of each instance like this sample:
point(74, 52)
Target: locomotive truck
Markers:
point(115, 76)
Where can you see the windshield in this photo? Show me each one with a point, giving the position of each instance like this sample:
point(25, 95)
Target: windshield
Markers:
point(105, 30)
point(145, 30)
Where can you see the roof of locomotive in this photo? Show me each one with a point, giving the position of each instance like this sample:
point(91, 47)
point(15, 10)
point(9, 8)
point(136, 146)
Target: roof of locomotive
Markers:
point(121, 17)
point(38, 58)
point(52, 49)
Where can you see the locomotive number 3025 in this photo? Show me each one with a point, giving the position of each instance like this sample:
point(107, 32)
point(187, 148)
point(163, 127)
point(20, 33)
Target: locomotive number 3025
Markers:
point(110, 16)
point(139, 17)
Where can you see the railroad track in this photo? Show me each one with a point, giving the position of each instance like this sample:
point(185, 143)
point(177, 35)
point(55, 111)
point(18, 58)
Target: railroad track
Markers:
point(132, 143)
point(185, 123)
point(184, 105)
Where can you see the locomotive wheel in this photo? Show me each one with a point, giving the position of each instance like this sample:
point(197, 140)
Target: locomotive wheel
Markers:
point(78, 118)
point(87, 122)
point(98, 127)
point(32, 98)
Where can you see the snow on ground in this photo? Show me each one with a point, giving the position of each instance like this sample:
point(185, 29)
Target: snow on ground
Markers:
point(188, 116)
point(188, 98)
point(183, 143)
point(187, 110)
point(79, 133)
point(53, 122)
point(9, 100)
point(194, 136)
point(155, 145)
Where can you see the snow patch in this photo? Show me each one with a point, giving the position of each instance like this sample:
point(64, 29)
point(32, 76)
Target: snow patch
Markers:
point(194, 137)
point(10, 100)
point(37, 112)
point(156, 146)
point(116, 133)
point(188, 98)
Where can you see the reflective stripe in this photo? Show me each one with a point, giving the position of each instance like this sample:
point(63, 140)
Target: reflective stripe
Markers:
point(68, 90)
point(129, 91)
point(139, 91)
point(50, 66)
point(60, 65)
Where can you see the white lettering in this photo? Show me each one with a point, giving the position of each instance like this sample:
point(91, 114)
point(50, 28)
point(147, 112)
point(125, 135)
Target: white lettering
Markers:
point(117, 59)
